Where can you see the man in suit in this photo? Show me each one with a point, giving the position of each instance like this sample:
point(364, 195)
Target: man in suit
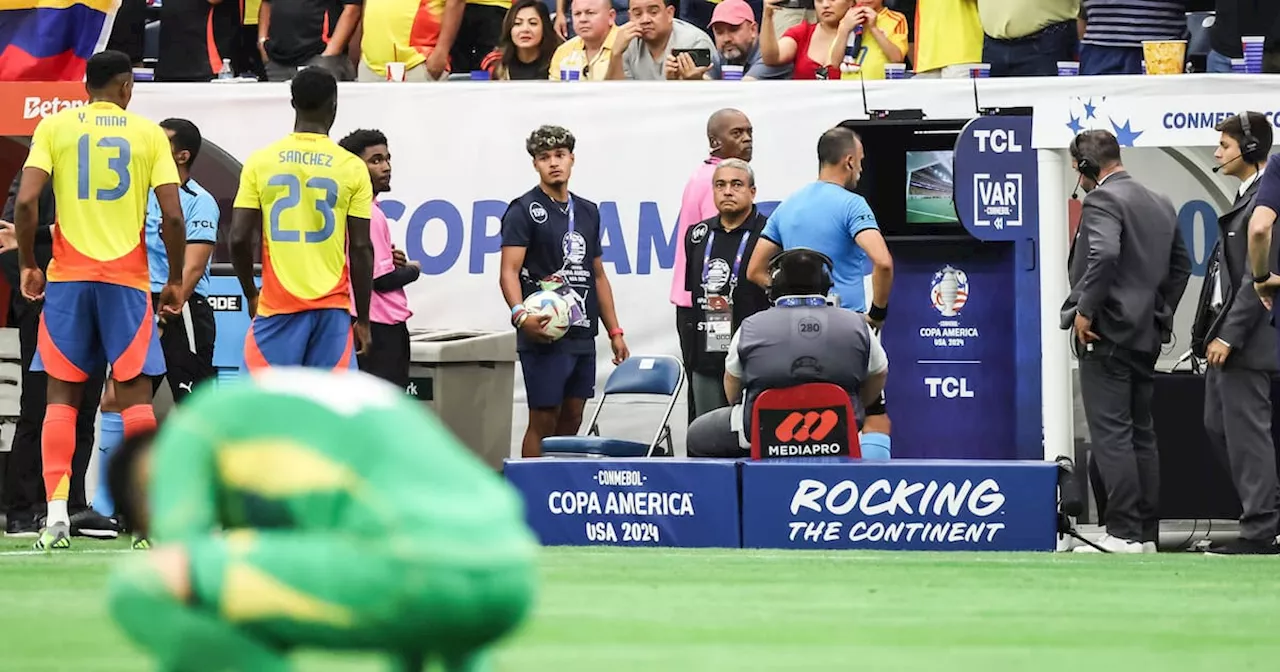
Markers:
point(1232, 333)
point(1128, 270)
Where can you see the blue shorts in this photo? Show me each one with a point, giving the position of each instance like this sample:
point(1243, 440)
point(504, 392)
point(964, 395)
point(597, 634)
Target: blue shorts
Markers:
point(84, 325)
point(319, 339)
point(552, 377)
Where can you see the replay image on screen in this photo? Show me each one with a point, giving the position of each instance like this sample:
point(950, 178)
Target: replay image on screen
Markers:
point(930, 187)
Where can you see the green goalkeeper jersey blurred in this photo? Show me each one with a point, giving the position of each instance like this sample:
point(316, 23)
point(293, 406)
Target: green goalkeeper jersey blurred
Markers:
point(304, 450)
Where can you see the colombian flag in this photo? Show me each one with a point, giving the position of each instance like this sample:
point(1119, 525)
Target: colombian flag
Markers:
point(50, 40)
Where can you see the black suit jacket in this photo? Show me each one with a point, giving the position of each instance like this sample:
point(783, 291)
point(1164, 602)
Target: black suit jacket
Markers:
point(44, 240)
point(1128, 265)
point(1241, 321)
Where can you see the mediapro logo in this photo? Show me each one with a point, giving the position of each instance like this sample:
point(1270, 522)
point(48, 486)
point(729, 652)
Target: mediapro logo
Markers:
point(806, 426)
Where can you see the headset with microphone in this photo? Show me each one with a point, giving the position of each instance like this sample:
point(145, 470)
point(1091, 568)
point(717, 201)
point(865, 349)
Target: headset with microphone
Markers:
point(1249, 145)
point(778, 286)
point(1085, 165)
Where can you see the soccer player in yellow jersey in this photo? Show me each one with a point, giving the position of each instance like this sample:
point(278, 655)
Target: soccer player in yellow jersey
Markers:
point(316, 198)
point(97, 303)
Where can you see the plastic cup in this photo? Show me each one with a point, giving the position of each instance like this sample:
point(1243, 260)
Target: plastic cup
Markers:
point(395, 72)
point(895, 70)
point(1253, 46)
point(731, 73)
point(480, 75)
point(1068, 68)
point(1165, 57)
point(1238, 66)
point(980, 71)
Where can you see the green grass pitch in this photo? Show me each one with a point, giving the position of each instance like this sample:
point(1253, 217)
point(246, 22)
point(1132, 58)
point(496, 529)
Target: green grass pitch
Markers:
point(616, 610)
point(930, 209)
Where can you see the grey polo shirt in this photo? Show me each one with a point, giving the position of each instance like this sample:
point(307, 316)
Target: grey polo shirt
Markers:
point(638, 64)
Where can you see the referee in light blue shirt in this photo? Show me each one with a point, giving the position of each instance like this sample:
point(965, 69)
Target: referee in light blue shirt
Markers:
point(187, 341)
point(828, 217)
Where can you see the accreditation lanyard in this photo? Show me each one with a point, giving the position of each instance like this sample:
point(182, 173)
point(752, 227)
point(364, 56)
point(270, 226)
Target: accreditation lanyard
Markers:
point(737, 260)
point(559, 283)
point(718, 312)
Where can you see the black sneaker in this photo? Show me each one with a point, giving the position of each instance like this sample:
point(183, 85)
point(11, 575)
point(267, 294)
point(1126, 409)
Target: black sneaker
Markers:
point(1246, 547)
point(22, 528)
point(90, 523)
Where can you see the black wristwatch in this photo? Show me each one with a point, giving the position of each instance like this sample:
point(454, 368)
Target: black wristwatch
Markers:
point(877, 313)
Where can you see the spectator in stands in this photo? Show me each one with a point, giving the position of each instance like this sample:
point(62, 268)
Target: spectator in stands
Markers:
point(884, 39)
point(1239, 18)
point(948, 38)
point(314, 33)
point(1114, 31)
point(642, 48)
point(1027, 38)
point(418, 33)
point(718, 249)
point(591, 50)
point(527, 44)
point(388, 354)
point(765, 354)
point(195, 35)
point(246, 58)
point(815, 49)
point(480, 32)
point(129, 30)
point(23, 491)
point(733, 24)
point(730, 136)
point(702, 12)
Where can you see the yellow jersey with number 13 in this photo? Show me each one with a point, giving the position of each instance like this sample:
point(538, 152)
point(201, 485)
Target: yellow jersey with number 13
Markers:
point(103, 162)
point(306, 186)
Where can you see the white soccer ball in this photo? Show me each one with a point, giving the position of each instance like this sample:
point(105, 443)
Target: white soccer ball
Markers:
point(550, 303)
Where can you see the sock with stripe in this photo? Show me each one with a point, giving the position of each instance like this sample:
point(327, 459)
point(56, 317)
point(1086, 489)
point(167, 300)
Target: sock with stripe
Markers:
point(109, 439)
point(57, 446)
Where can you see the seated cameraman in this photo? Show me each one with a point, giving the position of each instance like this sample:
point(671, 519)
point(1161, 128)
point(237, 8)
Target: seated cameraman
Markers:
point(801, 339)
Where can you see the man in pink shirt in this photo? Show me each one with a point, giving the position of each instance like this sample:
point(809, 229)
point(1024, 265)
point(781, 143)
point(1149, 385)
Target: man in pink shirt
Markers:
point(729, 132)
point(388, 354)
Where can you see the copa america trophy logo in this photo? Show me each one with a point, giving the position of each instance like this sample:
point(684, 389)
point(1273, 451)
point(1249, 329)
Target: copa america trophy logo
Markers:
point(949, 290)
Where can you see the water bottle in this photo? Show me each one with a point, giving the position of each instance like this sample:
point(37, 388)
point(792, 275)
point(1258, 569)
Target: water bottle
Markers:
point(226, 72)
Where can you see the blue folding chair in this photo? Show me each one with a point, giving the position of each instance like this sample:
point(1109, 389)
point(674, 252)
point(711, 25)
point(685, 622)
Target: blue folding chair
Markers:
point(654, 375)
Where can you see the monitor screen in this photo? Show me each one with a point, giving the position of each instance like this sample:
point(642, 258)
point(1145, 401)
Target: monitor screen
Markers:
point(930, 187)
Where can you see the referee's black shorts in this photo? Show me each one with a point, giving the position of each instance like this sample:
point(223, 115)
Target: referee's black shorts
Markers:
point(185, 368)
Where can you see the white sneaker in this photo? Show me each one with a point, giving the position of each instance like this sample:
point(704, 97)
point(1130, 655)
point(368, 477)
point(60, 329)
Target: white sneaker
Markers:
point(1149, 547)
point(1113, 545)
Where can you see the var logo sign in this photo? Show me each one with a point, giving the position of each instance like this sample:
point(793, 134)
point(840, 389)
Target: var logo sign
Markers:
point(997, 201)
point(951, 388)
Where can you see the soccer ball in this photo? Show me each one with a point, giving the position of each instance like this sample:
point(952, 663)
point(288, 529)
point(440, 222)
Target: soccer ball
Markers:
point(546, 302)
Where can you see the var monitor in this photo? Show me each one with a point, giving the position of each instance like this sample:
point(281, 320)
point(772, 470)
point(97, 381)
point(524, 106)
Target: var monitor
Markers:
point(908, 175)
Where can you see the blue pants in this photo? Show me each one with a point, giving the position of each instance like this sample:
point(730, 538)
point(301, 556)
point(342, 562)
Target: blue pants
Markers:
point(1100, 60)
point(1035, 55)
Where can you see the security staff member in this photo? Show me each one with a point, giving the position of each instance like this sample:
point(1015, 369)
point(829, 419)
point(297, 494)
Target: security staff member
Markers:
point(1128, 269)
point(718, 249)
point(772, 349)
point(1232, 333)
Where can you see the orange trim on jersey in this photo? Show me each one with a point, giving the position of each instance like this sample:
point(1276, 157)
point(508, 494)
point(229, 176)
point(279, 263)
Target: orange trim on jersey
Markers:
point(71, 265)
point(253, 358)
point(324, 32)
point(424, 34)
point(55, 363)
point(345, 362)
point(215, 58)
point(129, 364)
point(274, 299)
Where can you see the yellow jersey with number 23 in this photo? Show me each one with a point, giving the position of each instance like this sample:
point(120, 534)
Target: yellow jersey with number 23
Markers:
point(306, 186)
point(103, 161)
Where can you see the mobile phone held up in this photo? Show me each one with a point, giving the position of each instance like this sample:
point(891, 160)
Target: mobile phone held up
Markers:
point(701, 57)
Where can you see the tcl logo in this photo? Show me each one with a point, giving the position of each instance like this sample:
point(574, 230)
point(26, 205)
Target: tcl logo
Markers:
point(230, 303)
point(951, 388)
point(34, 106)
point(809, 426)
